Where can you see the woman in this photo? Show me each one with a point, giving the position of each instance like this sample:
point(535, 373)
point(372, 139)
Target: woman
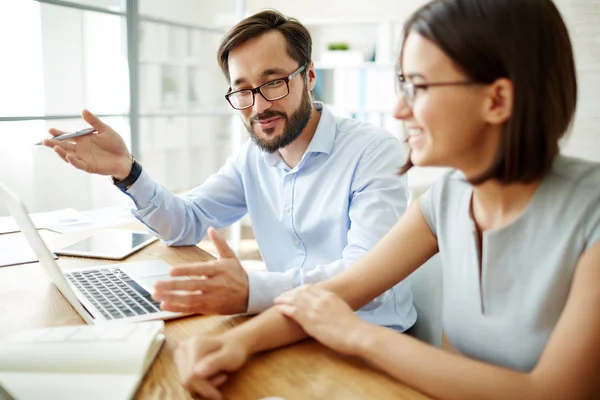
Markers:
point(488, 88)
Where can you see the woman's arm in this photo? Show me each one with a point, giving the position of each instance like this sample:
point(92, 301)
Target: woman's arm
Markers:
point(568, 368)
point(406, 247)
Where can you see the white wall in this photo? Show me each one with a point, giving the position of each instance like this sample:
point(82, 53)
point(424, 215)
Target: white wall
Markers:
point(583, 20)
point(83, 67)
point(20, 93)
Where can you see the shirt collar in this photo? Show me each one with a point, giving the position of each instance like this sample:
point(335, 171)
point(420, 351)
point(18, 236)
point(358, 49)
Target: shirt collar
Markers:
point(321, 142)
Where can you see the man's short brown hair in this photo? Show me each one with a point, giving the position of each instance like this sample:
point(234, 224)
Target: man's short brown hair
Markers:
point(297, 37)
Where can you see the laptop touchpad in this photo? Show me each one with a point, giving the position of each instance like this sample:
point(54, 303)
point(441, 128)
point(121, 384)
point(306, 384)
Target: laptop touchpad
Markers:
point(148, 282)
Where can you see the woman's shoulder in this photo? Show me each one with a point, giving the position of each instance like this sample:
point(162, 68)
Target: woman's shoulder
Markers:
point(448, 193)
point(578, 176)
point(577, 170)
point(451, 183)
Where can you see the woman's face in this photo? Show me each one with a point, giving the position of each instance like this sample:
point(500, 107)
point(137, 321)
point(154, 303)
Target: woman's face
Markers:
point(446, 125)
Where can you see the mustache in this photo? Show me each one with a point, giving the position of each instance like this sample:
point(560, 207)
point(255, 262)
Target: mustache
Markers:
point(268, 114)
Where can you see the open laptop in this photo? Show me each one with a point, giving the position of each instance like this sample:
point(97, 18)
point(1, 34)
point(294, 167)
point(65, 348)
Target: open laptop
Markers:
point(110, 292)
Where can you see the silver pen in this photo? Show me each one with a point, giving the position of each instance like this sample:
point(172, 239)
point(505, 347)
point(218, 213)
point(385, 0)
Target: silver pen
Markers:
point(66, 136)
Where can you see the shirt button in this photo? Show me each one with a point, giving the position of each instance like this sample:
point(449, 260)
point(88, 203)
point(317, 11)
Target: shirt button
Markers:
point(297, 242)
point(286, 209)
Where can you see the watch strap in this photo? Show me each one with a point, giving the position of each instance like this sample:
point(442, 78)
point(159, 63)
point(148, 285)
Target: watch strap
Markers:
point(136, 171)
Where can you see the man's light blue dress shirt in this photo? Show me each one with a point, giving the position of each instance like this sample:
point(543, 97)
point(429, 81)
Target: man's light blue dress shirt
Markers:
point(311, 222)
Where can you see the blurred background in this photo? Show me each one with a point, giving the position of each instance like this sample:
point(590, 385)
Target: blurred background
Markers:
point(149, 69)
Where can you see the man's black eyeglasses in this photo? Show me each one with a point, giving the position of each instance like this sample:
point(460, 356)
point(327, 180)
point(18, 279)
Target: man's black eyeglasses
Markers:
point(271, 91)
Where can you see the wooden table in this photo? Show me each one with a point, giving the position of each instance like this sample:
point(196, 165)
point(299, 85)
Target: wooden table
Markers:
point(306, 370)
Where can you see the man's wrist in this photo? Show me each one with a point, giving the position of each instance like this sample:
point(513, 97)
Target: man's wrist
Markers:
point(126, 171)
point(129, 180)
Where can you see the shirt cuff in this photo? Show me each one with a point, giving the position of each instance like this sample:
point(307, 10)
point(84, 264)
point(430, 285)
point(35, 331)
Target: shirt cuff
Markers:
point(142, 190)
point(264, 287)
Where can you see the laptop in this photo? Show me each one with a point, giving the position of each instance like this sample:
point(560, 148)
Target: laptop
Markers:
point(104, 293)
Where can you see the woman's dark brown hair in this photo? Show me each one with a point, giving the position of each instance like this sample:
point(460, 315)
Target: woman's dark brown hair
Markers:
point(525, 41)
point(299, 42)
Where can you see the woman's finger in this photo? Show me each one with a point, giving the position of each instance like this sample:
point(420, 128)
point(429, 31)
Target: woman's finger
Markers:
point(287, 310)
point(219, 380)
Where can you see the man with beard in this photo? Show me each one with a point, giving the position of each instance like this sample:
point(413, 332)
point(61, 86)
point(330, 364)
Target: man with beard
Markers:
point(320, 190)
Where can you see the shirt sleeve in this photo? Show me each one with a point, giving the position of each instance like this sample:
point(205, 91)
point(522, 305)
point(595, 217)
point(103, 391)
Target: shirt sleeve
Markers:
point(378, 199)
point(426, 201)
point(593, 226)
point(181, 220)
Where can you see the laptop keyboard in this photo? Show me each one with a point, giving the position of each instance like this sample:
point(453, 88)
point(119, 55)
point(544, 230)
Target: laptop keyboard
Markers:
point(113, 293)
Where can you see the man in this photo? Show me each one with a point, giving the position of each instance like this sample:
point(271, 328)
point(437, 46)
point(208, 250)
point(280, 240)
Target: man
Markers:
point(320, 190)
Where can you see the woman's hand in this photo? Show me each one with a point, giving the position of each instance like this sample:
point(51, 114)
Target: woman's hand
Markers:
point(324, 316)
point(204, 363)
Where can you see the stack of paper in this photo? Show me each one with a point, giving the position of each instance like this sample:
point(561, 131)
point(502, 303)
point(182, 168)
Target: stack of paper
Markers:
point(69, 220)
point(79, 362)
point(15, 250)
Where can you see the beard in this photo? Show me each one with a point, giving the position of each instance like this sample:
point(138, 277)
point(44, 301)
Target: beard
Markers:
point(294, 125)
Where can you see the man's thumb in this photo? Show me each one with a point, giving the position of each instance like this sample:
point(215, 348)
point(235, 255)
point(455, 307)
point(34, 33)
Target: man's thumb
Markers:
point(221, 244)
point(93, 121)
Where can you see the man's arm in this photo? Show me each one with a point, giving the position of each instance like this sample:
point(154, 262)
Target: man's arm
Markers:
point(184, 220)
point(378, 199)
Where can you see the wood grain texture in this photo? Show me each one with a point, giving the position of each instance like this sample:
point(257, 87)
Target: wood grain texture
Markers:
point(306, 370)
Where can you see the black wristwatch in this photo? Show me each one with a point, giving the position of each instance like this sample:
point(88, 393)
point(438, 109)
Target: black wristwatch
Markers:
point(136, 170)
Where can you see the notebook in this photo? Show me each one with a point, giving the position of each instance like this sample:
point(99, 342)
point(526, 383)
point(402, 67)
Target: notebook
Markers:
point(79, 362)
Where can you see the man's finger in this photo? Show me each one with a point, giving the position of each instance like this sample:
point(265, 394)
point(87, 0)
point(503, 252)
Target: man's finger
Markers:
point(178, 308)
point(77, 162)
point(220, 243)
point(190, 285)
point(61, 153)
point(55, 132)
point(208, 269)
point(67, 146)
point(185, 299)
point(94, 121)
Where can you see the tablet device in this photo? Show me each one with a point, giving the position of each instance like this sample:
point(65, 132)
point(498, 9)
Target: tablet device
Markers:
point(112, 244)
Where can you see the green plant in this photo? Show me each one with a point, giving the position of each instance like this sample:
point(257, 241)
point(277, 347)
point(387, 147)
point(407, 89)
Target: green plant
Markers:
point(169, 85)
point(338, 46)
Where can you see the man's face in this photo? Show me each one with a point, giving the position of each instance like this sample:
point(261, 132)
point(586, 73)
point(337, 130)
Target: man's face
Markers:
point(271, 124)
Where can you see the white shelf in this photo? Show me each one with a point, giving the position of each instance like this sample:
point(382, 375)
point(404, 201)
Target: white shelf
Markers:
point(363, 110)
point(363, 65)
point(190, 112)
point(421, 178)
point(349, 21)
point(188, 60)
